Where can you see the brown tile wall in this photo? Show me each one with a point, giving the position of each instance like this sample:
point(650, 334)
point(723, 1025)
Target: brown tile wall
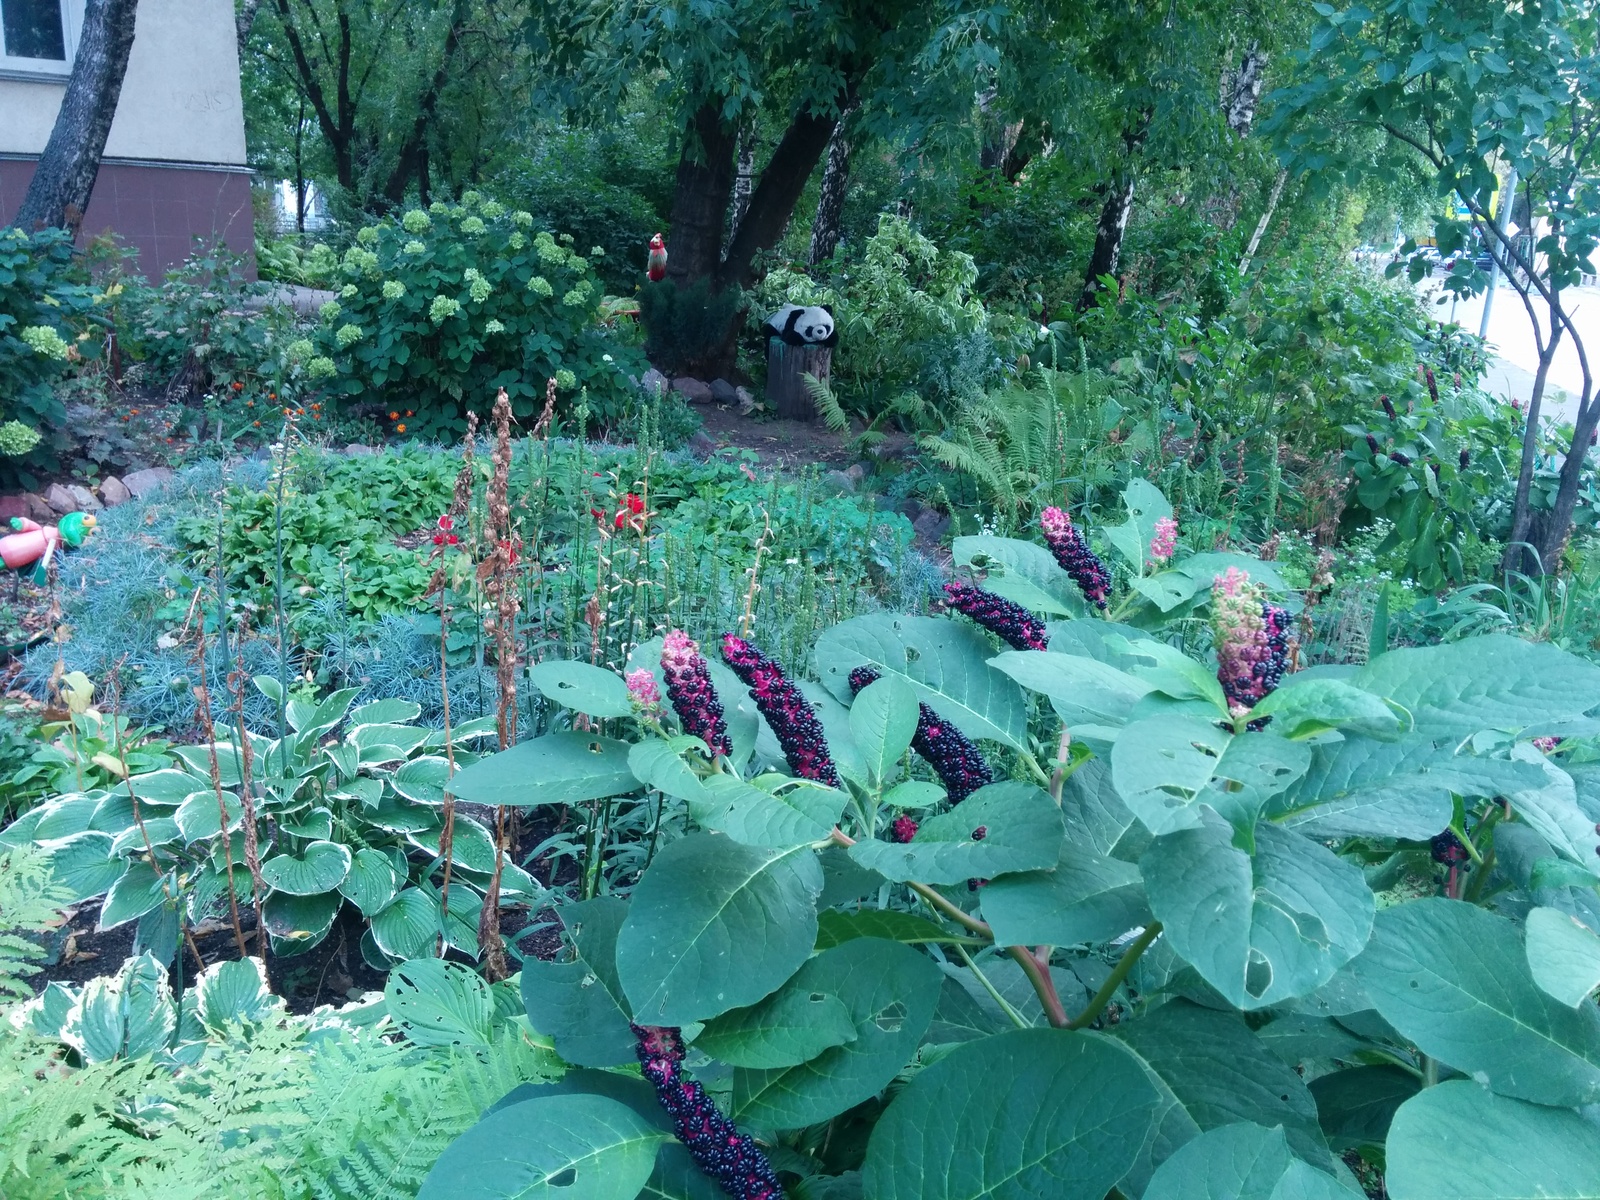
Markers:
point(156, 210)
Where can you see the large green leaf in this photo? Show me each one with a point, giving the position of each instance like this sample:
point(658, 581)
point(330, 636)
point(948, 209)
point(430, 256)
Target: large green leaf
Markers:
point(423, 779)
point(1305, 705)
point(794, 814)
point(1084, 898)
point(581, 687)
point(1020, 828)
point(714, 925)
point(471, 843)
point(1551, 808)
point(793, 1025)
point(834, 928)
point(1453, 978)
point(1027, 1114)
point(85, 866)
point(1493, 682)
point(889, 991)
point(235, 991)
point(1165, 768)
point(659, 764)
point(297, 923)
point(320, 867)
point(1242, 1162)
point(580, 1004)
point(572, 1147)
point(1082, 689)
point(558, 768)
point(1458, 1141)
point(1212, 1071)
point(139, 889)
point(372, 881)
point(883, 720)
point(946, 664)
point(200, 816)
point(1563, 956)
point(1361, 786)
point(1261, 929)
point(408, 926)
point(1025, 573)
point(1355, 1107)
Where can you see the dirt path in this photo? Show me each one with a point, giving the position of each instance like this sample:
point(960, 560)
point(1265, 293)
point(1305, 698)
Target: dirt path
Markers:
point(788, 445)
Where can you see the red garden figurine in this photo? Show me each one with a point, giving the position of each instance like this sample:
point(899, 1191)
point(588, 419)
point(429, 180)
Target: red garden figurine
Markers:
point(656, 265)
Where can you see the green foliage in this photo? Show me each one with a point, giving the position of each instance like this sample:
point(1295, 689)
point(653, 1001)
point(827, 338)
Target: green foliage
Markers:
point(686, 327)
point(441, 307)
point(48, 316)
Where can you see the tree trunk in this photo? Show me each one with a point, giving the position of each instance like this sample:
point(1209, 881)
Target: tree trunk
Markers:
point(829, 221)
point(786, 386)
point(59, 194)
point(743, 181)
point(1557, 526)
point(244, 20)
point(1244, 91)
point(999, 138)
point(700, 197)
point(1266, 220)
point(413, 154)
point(337, 123)
point(775, 196)
point(1108, 236)
point(1517, 557)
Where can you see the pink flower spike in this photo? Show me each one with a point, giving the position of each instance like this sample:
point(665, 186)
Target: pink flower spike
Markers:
point(642, 689)
point(1165, 540)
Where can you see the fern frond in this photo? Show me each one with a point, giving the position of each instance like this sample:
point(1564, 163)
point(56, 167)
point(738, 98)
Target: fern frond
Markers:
point(828, 407)
point(30, 901)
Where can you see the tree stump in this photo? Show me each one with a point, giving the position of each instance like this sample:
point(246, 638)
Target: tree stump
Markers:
point(786, 386)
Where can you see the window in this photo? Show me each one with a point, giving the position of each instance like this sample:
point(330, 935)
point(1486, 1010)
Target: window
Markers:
point(36, 30)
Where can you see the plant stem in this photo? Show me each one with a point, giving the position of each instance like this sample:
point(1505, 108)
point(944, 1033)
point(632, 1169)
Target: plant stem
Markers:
point(1005, 1005)
point(1058, 777)
point(1430, 1071)
point(1039, 975)
point(1118, 973)
point(841, 838)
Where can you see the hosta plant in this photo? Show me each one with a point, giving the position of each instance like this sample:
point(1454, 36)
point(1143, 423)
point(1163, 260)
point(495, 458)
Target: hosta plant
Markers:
point(346, 809)
point(1241, 936)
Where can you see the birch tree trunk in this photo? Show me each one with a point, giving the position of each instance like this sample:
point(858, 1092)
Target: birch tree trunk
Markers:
point(829, 221)
point(59, 194)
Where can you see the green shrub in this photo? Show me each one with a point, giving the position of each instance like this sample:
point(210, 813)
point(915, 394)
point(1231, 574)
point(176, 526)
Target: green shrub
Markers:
point(48, 316)
point(440, 308)
point(687, 328)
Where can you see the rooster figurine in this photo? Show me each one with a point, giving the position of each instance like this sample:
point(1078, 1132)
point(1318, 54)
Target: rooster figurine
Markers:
point(656, 265)
point(33, 545)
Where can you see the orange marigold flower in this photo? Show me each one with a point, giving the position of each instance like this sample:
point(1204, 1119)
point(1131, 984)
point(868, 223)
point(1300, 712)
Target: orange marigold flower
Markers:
point(394, 416)
point(257, 424)
point(237, 386)
point(408, 412)
point(400, 428)
point(133, 412)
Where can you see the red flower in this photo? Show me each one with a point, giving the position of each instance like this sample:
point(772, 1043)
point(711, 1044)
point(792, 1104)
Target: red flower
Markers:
point(438, 539)
point(452, 539)
point(635, 504)
point(447, 522)
point(597, 514)
point(622, 515)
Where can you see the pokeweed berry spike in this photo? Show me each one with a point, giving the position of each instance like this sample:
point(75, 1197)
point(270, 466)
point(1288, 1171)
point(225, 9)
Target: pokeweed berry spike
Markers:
point(903, 828)
point(786, 709)
point(958, 763)
point(1010, 621)
point(1252, 639)
point(740, 1167)
point(1066, 542)
point(693, 697)
point(1447, 849)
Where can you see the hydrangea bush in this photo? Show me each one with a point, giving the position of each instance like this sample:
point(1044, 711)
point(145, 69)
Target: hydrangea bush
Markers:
point(1102, 918)
point(442, 307)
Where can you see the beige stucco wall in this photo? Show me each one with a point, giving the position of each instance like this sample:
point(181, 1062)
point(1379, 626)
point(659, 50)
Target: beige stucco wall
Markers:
point(180, 99)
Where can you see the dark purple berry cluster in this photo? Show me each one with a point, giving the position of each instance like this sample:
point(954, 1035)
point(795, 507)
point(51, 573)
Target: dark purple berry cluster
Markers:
point(1012, 622)
point(732, 1158)
point(786, 709)
point(1071, 550)
point(954, 758)
point(903, 828)
point(693, 697)
point(1448, 849)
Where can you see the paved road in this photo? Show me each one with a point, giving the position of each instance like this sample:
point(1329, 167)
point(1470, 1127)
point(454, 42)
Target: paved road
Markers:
point(1511, 335)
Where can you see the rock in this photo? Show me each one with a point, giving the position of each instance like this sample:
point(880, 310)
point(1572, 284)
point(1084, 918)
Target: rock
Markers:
point(857, 471)
point(13, 506)
point(38, 510)
point(60, 499)
point(896, 444)
point(841, 480)
point(930, 525)
point(141, 483)
point(357, 450)
point(655, 383)
point(723, 392)
point(695, 391)
point(113, 492)
point(84, 499)
point(702, 445)
point(747, 402)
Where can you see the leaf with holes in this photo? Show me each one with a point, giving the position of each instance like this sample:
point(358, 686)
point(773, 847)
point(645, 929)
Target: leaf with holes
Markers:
point(715, 924)
point(558, 768)
point(946, 664)
point(549, 1148)
point(582, 687)
point(435, 1003)
point(889, 991)
point(580, 1004)
point(793, 1025)
point(1023, 1115)
point(1260, 929)
point(1017, 827)
point(1023, 572)
point(798, 814)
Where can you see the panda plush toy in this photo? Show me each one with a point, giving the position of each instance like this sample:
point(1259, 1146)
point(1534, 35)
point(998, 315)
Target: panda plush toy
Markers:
point(796, 325)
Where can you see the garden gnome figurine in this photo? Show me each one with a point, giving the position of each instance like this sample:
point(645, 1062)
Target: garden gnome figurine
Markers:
point(656, 264)
point(32, 545)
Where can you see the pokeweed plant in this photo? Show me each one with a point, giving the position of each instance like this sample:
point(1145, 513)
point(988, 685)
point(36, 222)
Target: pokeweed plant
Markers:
point(350, 819)
point(1214, 928)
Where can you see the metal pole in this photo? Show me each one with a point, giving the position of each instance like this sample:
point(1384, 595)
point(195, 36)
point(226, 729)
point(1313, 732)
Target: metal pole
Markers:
point(1508, 199)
